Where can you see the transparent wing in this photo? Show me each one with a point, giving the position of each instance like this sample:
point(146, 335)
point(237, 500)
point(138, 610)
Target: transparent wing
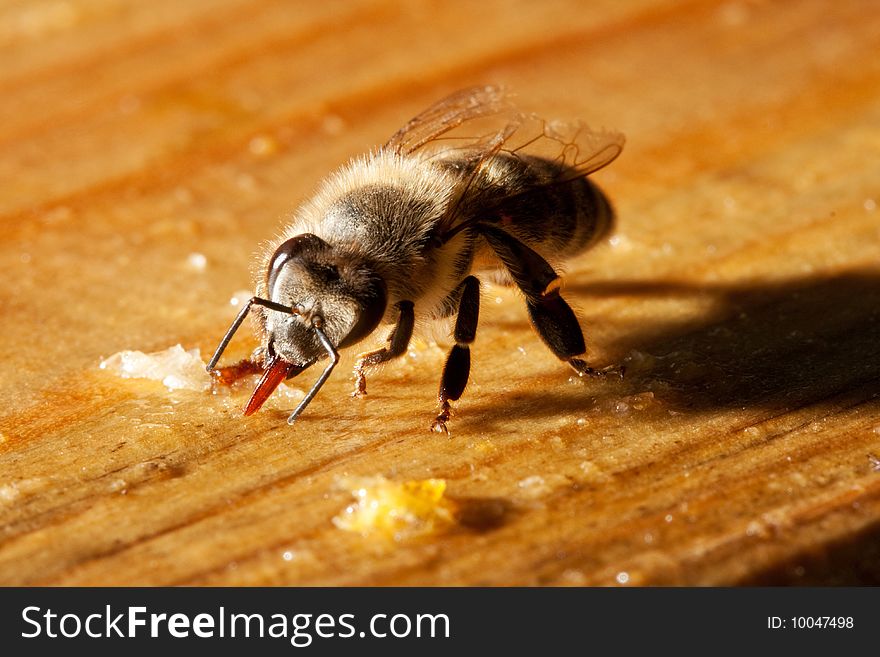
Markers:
point(575, 148)
point(484, 120)
point(477, 124)
point(465, 106)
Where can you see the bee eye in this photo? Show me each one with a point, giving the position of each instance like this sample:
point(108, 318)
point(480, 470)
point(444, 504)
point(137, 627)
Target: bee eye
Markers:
point(373, 295)
point(293, 248)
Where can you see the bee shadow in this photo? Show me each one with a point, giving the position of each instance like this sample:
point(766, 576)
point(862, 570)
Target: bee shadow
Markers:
point(774, 345)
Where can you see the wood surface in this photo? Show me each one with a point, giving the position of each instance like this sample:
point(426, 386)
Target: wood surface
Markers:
point(740, 289)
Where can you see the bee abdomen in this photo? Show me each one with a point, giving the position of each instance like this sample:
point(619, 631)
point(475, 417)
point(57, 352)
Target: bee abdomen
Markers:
point(559, 221)
point(594, 217)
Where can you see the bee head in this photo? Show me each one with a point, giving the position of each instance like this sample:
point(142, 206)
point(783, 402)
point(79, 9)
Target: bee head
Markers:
point(338, 289)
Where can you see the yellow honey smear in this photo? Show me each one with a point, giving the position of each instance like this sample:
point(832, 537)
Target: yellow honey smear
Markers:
point(395, 510)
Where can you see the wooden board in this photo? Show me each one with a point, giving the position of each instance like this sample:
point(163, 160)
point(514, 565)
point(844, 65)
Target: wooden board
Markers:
point(741, 289)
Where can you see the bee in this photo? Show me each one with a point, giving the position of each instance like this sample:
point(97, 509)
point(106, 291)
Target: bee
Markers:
point(396, 237)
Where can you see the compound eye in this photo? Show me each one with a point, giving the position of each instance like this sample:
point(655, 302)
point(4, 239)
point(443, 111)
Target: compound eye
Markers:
point(293, 248)
point(374, 299)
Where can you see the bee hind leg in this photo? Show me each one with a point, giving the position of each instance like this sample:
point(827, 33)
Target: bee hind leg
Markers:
point(583, 369)
point(555, 322)
point(458, 364)
point(398, 341)
point(552, 317)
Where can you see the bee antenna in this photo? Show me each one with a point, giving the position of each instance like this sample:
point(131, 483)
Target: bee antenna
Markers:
point(271, 305)
point(317, 323)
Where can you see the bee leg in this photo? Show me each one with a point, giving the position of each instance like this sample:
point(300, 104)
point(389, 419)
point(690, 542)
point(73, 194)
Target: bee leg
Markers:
point(229, 374)
point(583, 369)
point(398, 341)
point(555, 322)
point(458, 363)
point(552, 317)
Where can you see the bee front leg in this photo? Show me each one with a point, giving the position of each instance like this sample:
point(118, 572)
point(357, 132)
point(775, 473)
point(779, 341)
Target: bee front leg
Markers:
point(458, 363)
point(229, 374)
point(398, 342)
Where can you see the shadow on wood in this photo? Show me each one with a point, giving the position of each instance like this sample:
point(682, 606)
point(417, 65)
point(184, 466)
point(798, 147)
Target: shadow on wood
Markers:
point(775, 346)
point(852, 561)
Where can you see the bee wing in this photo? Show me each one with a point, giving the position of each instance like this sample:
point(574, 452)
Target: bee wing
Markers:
point(576, 148)
point(465, 106)
point(492, 124)
point(478, 123)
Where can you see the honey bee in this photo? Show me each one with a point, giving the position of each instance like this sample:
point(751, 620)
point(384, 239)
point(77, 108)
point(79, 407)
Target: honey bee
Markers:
point(395, 237)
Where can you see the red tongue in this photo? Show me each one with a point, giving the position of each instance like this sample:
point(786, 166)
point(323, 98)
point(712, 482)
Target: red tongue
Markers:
point(276, 372)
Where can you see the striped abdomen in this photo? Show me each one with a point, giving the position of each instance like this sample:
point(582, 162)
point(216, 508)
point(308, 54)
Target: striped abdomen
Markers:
point(558, 220)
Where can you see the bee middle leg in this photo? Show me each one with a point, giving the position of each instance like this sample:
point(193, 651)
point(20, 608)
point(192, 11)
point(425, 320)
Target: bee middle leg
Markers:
point(398, 341)
point(552, 317)
point(458, 364)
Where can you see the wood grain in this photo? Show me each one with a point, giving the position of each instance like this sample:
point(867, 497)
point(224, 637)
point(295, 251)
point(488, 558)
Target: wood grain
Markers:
point(741, 289)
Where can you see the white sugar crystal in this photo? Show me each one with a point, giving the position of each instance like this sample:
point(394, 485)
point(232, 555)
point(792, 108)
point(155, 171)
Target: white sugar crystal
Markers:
point(175, 367)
